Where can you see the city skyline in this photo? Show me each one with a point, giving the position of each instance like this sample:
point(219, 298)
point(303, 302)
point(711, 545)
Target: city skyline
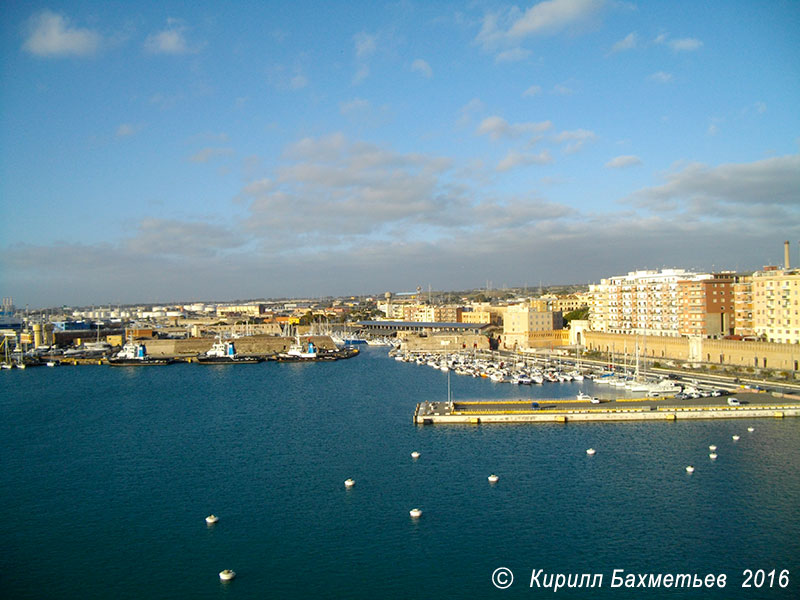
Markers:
point(173, 152)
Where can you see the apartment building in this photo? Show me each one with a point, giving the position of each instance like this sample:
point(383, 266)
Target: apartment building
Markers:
point(776, 304)
point(743, 307)
point(570, 302)
point(641, 302)
point(424, 313)
point(707, 305)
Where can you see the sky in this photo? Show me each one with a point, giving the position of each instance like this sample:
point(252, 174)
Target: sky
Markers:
point(173, 151)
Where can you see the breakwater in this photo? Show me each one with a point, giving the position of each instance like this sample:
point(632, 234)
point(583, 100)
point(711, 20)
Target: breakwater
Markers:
point(624, 409)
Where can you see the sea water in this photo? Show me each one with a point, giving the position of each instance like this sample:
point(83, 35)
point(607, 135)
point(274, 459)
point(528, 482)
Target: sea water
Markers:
point(107, 475)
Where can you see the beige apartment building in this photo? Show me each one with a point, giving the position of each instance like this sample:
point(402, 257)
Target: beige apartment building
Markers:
point(743, 307)
point(674, 303)
point(570, 303)
point(423, 313)
point(641, 302)
point(776, 304)
point(476, 316)
point(245, 310)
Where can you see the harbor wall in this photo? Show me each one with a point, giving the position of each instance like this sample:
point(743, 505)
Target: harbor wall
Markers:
point(251, 345)
point(758, 355)
point(413, 342)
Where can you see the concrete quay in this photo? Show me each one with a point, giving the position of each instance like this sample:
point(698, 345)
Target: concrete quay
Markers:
point(569, 411)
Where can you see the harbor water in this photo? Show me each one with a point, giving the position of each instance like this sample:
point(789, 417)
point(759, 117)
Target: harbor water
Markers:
point(108, 474)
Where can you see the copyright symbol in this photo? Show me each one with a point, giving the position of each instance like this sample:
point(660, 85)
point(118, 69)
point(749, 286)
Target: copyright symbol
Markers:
point(502, 578)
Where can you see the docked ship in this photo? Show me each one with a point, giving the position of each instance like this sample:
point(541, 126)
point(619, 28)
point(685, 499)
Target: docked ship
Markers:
point(134, 354)
point(224, 353)
point(307, 351)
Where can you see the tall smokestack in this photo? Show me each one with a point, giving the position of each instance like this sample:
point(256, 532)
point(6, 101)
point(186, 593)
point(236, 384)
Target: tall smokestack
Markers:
point(786, 254)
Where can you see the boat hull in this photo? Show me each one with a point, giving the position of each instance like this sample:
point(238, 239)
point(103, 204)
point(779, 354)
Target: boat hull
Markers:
point(227, 360)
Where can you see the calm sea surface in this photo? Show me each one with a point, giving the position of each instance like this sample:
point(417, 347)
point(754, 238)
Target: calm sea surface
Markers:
point(107, 475)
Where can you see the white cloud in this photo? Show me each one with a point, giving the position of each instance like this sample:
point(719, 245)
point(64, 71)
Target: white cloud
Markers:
point(182, 238)
point(497, 127)
point(769, 182)
point(125, 130)
point(333, 187)
point(287, 78)
point(519, 159)
point(574, 139)
point(422, 67)
point(534, 90)
point(629, 42)
point(356, 105)
point(552, 16)
point(365, 44)
point(207, 154)
point(346, 216)
point(51, 35)
point(503, 31)
point(471, 108)
point(298, 81)
point(621, 162)
point(512, 55)
point(562, 90)
point(361, 74)
point(169, 41)
point(661, 77)
point(685, 44)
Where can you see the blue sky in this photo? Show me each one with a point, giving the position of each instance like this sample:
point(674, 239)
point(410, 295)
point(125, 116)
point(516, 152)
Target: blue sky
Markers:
point(152, 152)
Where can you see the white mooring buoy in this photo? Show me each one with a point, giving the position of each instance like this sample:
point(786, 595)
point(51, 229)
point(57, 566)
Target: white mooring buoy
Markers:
point(227, 575)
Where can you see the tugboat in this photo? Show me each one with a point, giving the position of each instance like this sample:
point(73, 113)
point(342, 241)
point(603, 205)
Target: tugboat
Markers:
point(308, 352)
point(224, 353)
point(134, 354)
point(303, 351)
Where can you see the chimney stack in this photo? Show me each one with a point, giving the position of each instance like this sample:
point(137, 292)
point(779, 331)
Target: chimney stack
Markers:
point(786, 254)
